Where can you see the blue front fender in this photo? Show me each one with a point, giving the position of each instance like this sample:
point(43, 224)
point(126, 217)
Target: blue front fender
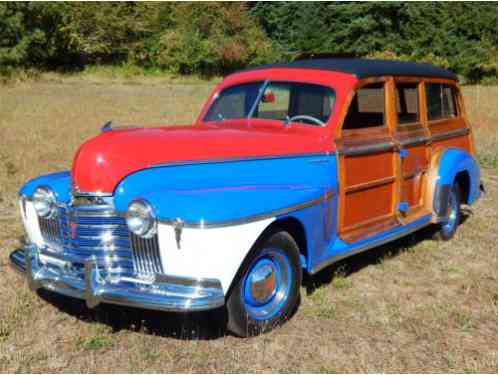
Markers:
point(229, 191)
point(59, 182)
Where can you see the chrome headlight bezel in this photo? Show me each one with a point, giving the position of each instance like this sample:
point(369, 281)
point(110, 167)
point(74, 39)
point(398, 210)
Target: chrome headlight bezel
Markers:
point(140, 219)
point(44, 202)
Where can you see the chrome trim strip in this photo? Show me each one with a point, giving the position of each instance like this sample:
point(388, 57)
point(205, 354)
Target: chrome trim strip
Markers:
point(202, 283)
point(450, 134)
point(92, 213)
point(162, 292)
point(110, 238)
point(103, 226)
point(248, 219)
point(73, 258)
point(75, 192)
point(365, 247)
point(414, 141)
point(366, 149)
point(385, 146)
point(242, 158)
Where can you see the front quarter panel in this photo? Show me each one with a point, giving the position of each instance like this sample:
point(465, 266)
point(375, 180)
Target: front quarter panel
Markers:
point(210, 215)
point(208, 253)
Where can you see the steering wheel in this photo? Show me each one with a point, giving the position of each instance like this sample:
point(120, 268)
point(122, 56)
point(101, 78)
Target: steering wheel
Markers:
point(304, 117)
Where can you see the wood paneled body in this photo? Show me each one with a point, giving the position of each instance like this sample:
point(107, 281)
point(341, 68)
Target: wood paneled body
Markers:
point(384, 171)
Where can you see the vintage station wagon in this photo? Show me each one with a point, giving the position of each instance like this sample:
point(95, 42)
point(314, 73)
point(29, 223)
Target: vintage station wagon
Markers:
point(287, 169)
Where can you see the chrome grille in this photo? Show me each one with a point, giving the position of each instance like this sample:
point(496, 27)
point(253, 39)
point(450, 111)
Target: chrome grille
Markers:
point(146, 256)
point(79, 232)
point(51, 231)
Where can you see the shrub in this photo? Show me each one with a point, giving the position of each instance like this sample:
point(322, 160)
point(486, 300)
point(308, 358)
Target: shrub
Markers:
point(209, 38)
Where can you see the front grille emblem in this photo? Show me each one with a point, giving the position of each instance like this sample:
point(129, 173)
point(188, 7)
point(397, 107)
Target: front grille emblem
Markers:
point(73, 229)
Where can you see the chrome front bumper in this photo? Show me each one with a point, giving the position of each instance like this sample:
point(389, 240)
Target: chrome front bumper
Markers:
point(160, 292)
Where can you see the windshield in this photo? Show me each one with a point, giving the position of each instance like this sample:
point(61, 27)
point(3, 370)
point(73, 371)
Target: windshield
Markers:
point(234, 102)
point(278, 101)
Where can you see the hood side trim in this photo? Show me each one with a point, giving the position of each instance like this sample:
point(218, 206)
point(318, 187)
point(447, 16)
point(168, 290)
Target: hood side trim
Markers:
point(237, 159)
point(248, 219)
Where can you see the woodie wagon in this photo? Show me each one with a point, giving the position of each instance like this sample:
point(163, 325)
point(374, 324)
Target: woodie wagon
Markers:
point(287, 169)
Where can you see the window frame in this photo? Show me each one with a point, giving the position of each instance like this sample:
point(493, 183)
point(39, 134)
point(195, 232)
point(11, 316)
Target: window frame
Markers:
point(341, 132)
point(456, 99)
point(420, 82)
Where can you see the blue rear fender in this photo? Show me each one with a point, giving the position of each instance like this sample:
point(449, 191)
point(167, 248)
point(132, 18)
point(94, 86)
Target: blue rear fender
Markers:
point(457, 162)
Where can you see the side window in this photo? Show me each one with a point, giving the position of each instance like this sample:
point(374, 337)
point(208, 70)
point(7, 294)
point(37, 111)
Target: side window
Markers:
point(282, 99)
point(407, 103)
point(367, 108)
point(441, 101)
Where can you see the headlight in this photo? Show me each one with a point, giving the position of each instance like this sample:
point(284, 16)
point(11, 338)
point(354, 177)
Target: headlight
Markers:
point(44, 202)
point(140, 219)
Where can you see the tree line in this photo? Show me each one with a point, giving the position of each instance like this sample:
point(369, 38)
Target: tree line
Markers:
point(217, 38)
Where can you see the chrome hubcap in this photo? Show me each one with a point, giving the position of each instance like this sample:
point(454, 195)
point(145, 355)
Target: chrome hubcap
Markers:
point(267, 284)
point(262, 283)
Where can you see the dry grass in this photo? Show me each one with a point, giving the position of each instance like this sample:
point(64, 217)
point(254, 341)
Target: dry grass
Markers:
point(414, 305)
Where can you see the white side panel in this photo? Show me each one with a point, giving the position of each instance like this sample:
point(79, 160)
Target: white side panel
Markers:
point(208, 253)
point(30, 221)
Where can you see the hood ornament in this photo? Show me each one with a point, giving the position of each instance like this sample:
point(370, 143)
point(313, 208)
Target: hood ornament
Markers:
point(178, 225)
point(107, 127)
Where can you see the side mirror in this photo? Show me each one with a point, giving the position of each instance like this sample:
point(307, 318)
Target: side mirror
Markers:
point(268, 97)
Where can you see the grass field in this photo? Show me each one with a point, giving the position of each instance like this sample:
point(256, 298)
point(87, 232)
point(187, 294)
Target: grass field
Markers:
point(413, 306)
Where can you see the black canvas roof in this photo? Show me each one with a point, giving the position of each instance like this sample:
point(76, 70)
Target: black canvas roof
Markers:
point(364, 68)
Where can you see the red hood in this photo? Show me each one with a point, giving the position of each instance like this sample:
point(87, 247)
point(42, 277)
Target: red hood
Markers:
point(102, 162)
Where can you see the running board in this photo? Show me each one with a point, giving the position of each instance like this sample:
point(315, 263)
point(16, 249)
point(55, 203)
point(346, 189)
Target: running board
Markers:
point(368, 246)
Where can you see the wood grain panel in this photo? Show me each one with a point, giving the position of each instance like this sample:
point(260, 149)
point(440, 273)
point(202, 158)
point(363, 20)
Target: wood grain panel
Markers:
point(462, 142)
point(416, 159)
point(365, 205)
point(365, 168)
point(411, 190)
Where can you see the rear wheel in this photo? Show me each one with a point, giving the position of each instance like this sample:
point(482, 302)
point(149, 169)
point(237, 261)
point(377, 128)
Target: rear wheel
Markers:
point(448, 227)
point(267, 288)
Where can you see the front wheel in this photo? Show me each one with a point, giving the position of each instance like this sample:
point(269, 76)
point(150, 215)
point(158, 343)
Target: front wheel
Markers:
point(448, 227)
point(266, 291)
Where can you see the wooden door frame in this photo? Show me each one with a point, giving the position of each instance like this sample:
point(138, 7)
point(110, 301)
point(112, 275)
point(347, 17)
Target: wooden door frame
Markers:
point(389, 110)
point(424, 138)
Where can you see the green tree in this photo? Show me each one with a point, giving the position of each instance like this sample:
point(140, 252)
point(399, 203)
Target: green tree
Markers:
point(207, 38)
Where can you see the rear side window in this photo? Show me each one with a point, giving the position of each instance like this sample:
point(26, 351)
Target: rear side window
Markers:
point(407, 103)
point(367, 108)
point(441, 101)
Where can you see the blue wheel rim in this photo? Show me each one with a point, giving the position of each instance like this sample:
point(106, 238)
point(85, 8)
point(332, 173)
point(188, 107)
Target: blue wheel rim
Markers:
point(267, 284)
point(449, 226)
